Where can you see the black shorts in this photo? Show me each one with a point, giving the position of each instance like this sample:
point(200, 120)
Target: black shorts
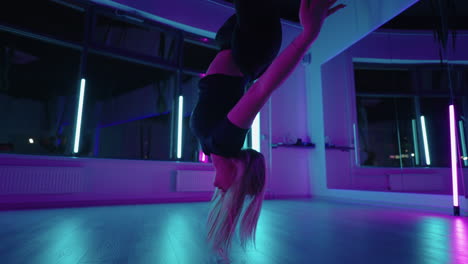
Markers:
point(226, 139)
point(254, 35)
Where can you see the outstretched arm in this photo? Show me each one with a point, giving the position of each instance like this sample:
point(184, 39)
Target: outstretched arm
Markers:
point(312, 14)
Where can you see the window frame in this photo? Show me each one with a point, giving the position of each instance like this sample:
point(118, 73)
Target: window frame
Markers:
point(415, 69)
point(91, 11)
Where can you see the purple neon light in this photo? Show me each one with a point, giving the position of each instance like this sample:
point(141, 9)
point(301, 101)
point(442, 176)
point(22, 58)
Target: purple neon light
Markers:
point(202, 157)
point(453, 147)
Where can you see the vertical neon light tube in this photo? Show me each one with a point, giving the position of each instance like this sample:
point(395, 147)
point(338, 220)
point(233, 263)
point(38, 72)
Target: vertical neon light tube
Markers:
point(179, 127)
point(426, 144)
point(462, 136)
point(79, 116)
point(256, 133)
point(356, 145)
point(415, 141)
point(453, 147)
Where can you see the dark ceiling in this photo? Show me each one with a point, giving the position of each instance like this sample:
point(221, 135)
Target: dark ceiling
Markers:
point(38, 69)
point(33, 61)
point(419, 16)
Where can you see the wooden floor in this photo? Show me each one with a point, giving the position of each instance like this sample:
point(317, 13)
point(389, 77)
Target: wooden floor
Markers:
point(288, 232)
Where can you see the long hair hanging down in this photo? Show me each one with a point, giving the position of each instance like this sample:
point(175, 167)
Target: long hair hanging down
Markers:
point(227, 207)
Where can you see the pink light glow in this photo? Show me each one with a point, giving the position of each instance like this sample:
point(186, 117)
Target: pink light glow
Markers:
point(460, 243)
point(204, 39)
point(453, 147)
point(202, 75)
point(202, 157)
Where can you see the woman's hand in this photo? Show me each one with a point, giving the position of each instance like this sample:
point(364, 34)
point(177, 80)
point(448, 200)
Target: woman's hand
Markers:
point(312, 14)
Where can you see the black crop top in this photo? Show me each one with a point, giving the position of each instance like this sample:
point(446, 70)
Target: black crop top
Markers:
point(218, 94)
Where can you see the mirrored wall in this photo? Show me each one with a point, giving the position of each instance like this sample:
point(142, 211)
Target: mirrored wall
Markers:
point(401, 83)
point(403, 113)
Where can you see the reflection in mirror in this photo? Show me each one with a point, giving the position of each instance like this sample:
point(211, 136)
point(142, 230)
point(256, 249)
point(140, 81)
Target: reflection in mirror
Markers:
point(401, 110)
point(399, 81)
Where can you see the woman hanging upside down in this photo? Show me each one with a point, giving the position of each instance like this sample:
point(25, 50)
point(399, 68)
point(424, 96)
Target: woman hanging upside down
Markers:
point(250, 41)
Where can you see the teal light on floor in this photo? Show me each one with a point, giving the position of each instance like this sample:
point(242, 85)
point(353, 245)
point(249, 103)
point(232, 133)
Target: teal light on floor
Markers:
point(435, 242)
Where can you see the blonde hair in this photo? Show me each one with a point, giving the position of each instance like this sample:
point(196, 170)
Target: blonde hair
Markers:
point(227, 207)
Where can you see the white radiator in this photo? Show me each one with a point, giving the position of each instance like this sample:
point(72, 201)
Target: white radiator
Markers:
point(194, 181)
point(44, 180)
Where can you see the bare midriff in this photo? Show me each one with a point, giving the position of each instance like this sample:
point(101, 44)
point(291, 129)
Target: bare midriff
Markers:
point(224, 63)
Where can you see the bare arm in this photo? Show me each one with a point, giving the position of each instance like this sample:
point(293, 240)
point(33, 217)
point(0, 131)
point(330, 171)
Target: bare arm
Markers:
point(312, 15)
point(244, 112)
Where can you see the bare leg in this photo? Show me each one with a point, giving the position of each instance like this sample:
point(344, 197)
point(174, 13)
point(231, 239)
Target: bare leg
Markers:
point(313, 14)
point(253, 37)
point(257, 36)
point(255, 43)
